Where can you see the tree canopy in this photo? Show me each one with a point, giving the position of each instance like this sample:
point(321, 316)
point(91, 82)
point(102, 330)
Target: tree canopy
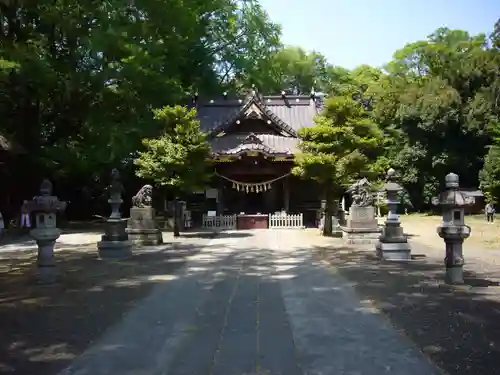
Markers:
point(79, 82)
point(178, 158)
point(339, 148)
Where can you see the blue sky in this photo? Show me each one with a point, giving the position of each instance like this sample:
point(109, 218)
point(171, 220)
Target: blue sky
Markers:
point(354, 32)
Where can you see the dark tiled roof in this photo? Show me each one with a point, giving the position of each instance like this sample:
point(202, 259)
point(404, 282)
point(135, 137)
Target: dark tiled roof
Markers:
point(270, 144)
point(473, 192)
point(291, 113)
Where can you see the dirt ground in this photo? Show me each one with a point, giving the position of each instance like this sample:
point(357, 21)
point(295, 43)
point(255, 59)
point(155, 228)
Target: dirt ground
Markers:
point(457, 327)
point(483, 235)
point(42, 328)
point(481, 249)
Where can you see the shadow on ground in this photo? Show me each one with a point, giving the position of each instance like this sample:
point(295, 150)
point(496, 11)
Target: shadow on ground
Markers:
point(457, 327)
point(45, 327)
point(206, 234)
point(23, 242)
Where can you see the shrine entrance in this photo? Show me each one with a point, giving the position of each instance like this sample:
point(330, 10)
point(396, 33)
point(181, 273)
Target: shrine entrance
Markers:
point(253, 201)
point(252, 185)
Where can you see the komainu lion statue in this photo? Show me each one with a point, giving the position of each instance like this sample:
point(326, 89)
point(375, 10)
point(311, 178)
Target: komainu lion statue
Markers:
point(361, 197)
point(144, 197)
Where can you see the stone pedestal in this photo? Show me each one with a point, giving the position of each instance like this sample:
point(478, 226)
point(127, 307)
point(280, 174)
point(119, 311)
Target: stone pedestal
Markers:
point(454, 262)
point(114, 243)
point(393, 244)
point(46, 240)
point(142, 228)
point(362, 226)
point(454, 237)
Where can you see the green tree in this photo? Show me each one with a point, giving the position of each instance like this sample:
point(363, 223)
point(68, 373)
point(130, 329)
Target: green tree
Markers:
point(489, 176)
point(435, 99)
point(78, 79)
point(338, 149)
point(178, 158)
point(297, 71)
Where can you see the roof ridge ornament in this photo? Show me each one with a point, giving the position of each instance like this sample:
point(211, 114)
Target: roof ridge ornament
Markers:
point(254, 107)
point(252, 138)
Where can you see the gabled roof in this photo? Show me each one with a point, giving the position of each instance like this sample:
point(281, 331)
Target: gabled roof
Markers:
point(289, 113)
point(268, 144)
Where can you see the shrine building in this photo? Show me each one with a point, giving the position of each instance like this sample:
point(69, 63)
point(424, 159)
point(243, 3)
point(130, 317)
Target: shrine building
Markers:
point(254, 140)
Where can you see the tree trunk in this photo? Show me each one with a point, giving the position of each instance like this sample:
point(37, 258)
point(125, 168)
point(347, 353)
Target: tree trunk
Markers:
point(176, 220)
point(329, 210)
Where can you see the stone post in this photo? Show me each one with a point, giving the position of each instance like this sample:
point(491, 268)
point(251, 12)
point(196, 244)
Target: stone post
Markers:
point(393, 243)
point(45, 207)
point(453, 229)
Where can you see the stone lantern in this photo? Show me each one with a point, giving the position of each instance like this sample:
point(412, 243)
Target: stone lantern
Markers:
point(45, 207)
point(453, 229)
point(393, 243)
point(115, 243)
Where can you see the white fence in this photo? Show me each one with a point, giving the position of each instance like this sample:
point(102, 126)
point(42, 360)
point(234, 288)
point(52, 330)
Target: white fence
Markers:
point(285, 221)
point(219, 222)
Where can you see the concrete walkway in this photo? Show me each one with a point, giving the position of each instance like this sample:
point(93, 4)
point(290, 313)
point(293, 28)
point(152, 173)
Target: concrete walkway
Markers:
point(248, 304)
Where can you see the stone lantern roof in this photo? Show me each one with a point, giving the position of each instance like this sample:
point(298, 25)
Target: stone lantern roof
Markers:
point(453, 196)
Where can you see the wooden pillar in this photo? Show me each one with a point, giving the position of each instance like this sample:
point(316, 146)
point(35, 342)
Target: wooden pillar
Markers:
point(220, 200)
point(286, 194)
point(269, 197)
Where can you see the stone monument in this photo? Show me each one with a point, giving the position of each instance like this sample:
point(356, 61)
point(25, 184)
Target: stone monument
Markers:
point(361, 226)
point(453, 229)
point(142, 228)
point(393, 243)
point(45, 207)
point(114, 243)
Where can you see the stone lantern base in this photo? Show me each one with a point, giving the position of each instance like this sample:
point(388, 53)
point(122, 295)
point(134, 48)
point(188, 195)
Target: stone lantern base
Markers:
point(393, 244)
point(393, 251)
point(114, 243)
point(46, 270)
